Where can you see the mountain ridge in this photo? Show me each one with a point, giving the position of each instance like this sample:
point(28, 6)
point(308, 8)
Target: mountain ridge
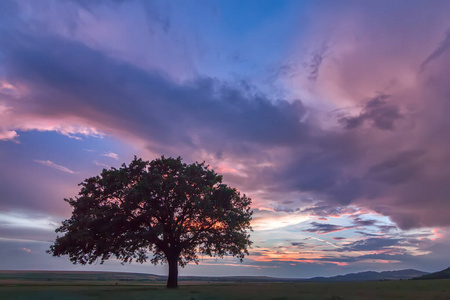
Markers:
point(444, 274)
point(372, 275)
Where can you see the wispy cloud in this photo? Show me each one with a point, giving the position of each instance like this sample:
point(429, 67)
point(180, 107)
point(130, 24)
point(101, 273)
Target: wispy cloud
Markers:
point(15, 220)
point(443, 47)
point(51, 164)
point(315, 62)
point(100, 164)
point(111, 155)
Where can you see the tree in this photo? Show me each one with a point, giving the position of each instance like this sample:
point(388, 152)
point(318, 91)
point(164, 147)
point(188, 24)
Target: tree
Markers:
point(172, 209)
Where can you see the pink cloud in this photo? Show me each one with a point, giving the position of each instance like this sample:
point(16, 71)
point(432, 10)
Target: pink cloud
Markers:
point(111, 155)
point(6, 135)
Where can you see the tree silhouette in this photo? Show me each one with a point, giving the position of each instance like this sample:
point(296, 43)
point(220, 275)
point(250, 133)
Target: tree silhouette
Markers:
point(172, 209)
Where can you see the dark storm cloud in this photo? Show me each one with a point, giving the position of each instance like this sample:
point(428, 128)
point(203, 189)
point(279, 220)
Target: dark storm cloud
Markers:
point(319, 166)
point(71, 79)
point(358, 222)
point(363, 233)
point(298, 244)
point(389, 257)
point(281, 208)
point(323, 210)
point(399, 169)
point(371, 244)
point(377, 111)
point(322, 228)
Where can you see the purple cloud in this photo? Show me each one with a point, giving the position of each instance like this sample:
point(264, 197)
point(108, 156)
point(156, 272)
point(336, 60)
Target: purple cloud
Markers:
point(371, 244)
point(380, 113)
point(323, 228)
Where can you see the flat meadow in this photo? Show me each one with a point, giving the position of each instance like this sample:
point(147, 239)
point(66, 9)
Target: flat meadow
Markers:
point(402, 289)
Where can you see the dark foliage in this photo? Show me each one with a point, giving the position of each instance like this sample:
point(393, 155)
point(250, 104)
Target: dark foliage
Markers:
point(174, 210)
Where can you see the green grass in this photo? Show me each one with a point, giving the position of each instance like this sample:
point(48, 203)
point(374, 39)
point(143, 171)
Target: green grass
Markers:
point(406, 289)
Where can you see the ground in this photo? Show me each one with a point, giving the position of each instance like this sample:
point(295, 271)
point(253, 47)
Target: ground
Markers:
point(403, 289)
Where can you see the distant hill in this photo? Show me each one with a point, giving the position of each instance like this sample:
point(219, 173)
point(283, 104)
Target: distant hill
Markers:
point(78, 276)
point(99, 277)
point(371, 275)
point(444, 274)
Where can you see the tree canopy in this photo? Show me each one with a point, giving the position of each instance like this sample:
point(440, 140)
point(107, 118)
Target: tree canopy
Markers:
point(173, 210)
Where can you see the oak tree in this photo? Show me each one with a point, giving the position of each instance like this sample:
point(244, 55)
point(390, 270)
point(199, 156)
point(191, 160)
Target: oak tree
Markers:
point(164, 210)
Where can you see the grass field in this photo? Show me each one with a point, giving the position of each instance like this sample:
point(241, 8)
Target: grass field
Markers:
point(406, 289)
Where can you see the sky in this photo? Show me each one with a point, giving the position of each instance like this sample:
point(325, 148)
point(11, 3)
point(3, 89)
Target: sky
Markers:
point(331, 115)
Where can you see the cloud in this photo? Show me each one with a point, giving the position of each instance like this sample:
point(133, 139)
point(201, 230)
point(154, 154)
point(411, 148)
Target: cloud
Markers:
point(381, 114)
point(357, 222)
point(401, 168)
point(323, 209)
point(51, 164)
point(364, 233)
point(322, 228)
point(70, 79)
point(371, 244)
point(7, 134)
point(316, 61)
point(387, 228)
point(15, 220)
point(204, 103)
point(364, 223)
point(386, 152)
point(443, 47)
point(111, 155)
point(100, 164)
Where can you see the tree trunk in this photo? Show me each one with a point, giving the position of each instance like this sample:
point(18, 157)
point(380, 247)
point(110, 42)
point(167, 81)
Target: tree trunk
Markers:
point(172, 281)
